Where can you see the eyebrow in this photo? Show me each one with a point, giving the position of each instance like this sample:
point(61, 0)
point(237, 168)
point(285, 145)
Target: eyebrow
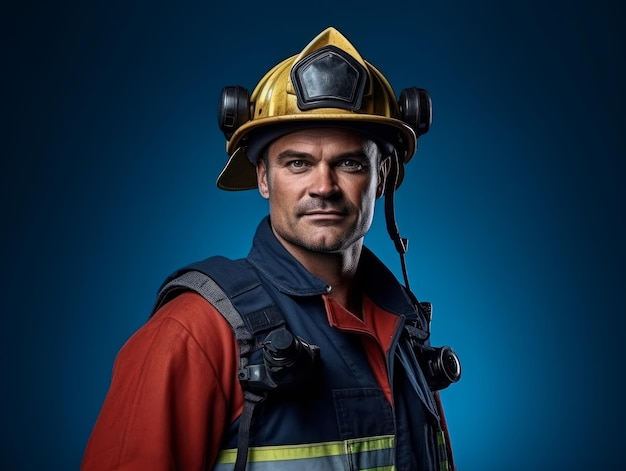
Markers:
point(290, 154)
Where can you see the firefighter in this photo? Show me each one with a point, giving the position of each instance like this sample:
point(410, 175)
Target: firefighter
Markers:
point(342, 373)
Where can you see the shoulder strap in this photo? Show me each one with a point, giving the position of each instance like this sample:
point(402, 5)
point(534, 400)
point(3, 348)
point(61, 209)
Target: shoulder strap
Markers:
point(220, 279)
point(233, 288)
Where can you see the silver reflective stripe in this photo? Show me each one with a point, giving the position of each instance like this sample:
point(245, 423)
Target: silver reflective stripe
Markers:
point(363, 454)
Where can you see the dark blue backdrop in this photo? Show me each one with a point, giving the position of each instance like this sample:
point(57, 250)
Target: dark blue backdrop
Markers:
point(514, 204)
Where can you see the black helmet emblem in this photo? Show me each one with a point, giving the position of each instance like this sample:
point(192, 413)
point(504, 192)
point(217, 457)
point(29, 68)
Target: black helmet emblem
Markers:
point(329, 77)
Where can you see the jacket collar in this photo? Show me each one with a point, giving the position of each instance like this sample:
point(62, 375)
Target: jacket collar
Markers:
point(288, 275)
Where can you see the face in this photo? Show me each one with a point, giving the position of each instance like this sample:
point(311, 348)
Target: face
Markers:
point(321, 185)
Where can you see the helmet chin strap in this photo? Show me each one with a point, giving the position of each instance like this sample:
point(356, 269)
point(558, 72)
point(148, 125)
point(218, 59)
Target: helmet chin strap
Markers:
point(392, 227)
point(402, 246)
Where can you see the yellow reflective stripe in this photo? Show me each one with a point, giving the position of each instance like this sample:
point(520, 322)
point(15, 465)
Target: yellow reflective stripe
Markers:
point(443, 453)
point(311, 450)
point(362, 445)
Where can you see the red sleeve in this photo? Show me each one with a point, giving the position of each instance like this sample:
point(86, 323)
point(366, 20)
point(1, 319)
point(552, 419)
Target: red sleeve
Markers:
point(174, 389)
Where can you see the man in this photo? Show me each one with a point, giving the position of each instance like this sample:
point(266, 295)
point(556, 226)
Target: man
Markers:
point(322, 137)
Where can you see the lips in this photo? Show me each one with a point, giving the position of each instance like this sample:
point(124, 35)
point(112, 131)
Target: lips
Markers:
point(324, 213)
point(322, 209)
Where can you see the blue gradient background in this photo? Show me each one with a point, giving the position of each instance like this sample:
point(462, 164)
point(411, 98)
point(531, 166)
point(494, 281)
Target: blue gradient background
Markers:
point(514, 203)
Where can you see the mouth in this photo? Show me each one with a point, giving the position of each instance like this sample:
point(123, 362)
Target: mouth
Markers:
point(324, 214)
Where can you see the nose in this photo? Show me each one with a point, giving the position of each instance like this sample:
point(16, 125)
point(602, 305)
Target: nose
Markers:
point(323, 182)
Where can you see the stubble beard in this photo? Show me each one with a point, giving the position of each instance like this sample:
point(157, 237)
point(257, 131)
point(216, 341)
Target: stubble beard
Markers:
point(325, 239)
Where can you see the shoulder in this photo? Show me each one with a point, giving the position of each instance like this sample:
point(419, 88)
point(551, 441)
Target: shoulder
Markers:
point(192, 312)
point(186, 325)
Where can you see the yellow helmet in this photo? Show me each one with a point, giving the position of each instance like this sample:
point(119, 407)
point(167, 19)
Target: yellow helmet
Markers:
point(327, 84)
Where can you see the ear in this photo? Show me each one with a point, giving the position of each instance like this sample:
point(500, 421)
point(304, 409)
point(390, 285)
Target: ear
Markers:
point(383, 174)
point(261, 178)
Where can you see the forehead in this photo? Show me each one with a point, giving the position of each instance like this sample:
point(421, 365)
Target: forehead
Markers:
point(343, 139)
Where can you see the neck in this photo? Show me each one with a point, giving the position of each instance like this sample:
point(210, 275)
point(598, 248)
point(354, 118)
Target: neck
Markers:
point(341, 275)
point(338, 270)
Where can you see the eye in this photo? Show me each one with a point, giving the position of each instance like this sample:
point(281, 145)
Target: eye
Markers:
point(352, 165)
point(297, 165)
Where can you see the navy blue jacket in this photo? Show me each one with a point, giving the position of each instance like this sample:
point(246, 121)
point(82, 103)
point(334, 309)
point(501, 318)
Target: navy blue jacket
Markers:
point(345, 405)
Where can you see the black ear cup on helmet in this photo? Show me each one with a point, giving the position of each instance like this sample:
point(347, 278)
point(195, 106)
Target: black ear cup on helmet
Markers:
point(416, 109)
point(233, 109)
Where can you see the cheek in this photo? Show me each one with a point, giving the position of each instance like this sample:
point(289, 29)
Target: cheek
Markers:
point(276, 196)
point(369, 193)
point(280, 200)
point(285, 191)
